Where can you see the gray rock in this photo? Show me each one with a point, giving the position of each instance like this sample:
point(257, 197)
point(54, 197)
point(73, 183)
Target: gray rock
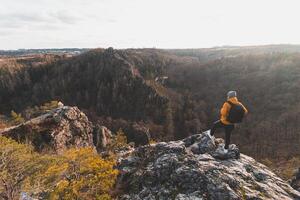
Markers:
point(195, 168)
point(57, 130)
point(233, 152)
point(200, 144)
point(260, 176)
point(193, 196)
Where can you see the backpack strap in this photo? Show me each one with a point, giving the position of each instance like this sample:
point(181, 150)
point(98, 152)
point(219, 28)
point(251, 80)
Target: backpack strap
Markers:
point(230, 103)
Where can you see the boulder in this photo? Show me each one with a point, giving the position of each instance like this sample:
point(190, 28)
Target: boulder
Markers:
point(233, 152)
point(57, 130)
point(196, 168)
point(200, 143)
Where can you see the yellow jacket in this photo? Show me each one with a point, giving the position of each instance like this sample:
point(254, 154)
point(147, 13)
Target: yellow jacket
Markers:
point(226, 108)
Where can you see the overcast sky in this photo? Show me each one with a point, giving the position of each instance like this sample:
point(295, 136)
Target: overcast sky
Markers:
point(147, 23)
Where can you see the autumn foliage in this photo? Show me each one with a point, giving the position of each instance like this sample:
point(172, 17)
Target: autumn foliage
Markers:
point(16, 118)
point(76, 174)
point(17, 164)
point(81, 174)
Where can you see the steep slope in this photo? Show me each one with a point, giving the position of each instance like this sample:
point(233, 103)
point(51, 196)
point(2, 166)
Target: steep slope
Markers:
point(100, 79)
point(105, 82)
point(197, 168)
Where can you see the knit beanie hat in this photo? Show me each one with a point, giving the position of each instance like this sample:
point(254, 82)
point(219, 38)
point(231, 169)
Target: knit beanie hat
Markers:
point(231, 94)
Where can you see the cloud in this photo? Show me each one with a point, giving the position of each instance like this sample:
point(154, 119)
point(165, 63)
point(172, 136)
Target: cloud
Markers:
point(144, 23)
point(4, 33)
point(9, 20)
point(66, 17)
point(38, 18)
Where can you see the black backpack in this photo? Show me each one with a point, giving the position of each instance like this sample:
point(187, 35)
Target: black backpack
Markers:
point(236, 113)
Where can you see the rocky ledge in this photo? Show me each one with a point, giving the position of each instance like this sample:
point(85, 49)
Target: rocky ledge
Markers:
point(56, 130)
point(197, 168)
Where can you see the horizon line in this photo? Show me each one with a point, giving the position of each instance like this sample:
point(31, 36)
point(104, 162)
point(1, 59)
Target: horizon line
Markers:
point(179, 48)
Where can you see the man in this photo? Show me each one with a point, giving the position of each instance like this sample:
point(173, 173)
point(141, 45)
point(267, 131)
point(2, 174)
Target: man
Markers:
point(232, 112)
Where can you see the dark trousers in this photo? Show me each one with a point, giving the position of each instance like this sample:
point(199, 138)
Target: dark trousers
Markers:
point(228, 129)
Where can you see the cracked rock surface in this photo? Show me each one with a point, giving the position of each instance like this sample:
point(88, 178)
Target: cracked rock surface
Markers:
point(198, 168)
point(56, 130)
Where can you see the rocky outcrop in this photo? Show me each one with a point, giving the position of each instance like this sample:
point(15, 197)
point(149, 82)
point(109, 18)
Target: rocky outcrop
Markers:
point(198, 168)
point(295, 182)
point(56, 130)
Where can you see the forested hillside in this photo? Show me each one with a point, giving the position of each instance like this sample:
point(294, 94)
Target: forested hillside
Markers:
point(99, 80)
point(175, 93)
point(268, 84)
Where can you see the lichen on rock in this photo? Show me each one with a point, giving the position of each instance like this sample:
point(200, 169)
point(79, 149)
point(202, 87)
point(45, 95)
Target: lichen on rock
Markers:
point(57, 130)
point(197, 168)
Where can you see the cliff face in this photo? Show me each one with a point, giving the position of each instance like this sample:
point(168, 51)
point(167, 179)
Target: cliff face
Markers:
point(56, 130)
point(197, 168)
